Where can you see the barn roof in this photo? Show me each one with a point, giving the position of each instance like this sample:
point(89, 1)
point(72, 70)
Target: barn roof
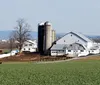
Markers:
point(79, 35)
point(30, 41)
point(58, 47)
point(68, 46)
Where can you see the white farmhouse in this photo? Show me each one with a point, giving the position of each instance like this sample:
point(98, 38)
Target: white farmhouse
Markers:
point(75, 44)
point(29, 46)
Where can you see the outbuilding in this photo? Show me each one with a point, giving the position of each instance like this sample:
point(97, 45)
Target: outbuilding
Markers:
point(29, 46)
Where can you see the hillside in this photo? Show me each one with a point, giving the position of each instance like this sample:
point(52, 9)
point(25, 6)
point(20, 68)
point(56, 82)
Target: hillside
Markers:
point(5, 35)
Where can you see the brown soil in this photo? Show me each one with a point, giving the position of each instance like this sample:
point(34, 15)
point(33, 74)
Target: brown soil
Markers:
point(89, 58)
point(31, 57)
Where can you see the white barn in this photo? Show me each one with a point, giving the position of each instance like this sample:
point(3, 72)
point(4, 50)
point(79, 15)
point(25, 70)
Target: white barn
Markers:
point(73, 37)
point(75, 43)
point(70, 50)
point(29, 46)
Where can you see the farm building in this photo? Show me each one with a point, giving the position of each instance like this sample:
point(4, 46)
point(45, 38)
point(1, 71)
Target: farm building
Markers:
point(46, 36)
point(29, 46)
point(58, 50)
point(71, 50)
point(95, 50)
point(75, 44)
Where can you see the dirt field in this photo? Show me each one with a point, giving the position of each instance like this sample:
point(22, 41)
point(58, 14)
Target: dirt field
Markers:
point(91, 57)
point(32, 57)
point(37, 57)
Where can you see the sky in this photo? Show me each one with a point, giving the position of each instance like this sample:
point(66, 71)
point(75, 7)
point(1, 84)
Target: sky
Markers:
point(65, 15)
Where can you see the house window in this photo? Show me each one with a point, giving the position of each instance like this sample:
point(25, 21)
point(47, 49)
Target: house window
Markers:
point(64, 41)
point(24, 48)
point(30, 44)
point(25, 45)
point(29, 49)
point(71, 35)
point(70, 45)
point(61, 51)
point(69, 50)
point(82, 50)
point(53, 51)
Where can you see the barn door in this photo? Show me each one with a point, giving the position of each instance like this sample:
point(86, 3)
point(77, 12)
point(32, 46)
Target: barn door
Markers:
point(75, 52)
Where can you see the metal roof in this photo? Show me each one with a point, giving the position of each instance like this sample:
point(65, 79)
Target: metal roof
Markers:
point(58, 47)
point(82, 36)
point(79, 35)
point(74, 46)
point(30, 41)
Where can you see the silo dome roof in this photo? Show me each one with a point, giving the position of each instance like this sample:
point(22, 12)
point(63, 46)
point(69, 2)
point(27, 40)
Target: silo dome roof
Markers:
point(47, 23)
point(41, 24)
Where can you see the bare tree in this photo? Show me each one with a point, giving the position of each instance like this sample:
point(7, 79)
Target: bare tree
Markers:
point(11, 44)
point(21, 32)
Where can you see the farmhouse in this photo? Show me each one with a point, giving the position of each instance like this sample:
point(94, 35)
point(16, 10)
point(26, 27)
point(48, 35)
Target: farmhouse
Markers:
point(29, 46)
point(73, 44)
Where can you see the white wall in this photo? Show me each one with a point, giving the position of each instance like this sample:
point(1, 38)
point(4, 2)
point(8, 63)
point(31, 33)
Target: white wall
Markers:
point(57, 53)
point(95, 51)
point(84, 53)
point(70, 54)
point(78, 53)
point(90, 45)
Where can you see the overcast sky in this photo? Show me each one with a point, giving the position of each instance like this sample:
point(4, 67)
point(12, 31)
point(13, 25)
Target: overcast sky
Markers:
point(65, 15)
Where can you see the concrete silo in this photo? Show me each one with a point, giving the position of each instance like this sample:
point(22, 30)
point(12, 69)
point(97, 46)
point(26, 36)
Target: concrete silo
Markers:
point(48, 36)
point(53, 36)
point(40, 37)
